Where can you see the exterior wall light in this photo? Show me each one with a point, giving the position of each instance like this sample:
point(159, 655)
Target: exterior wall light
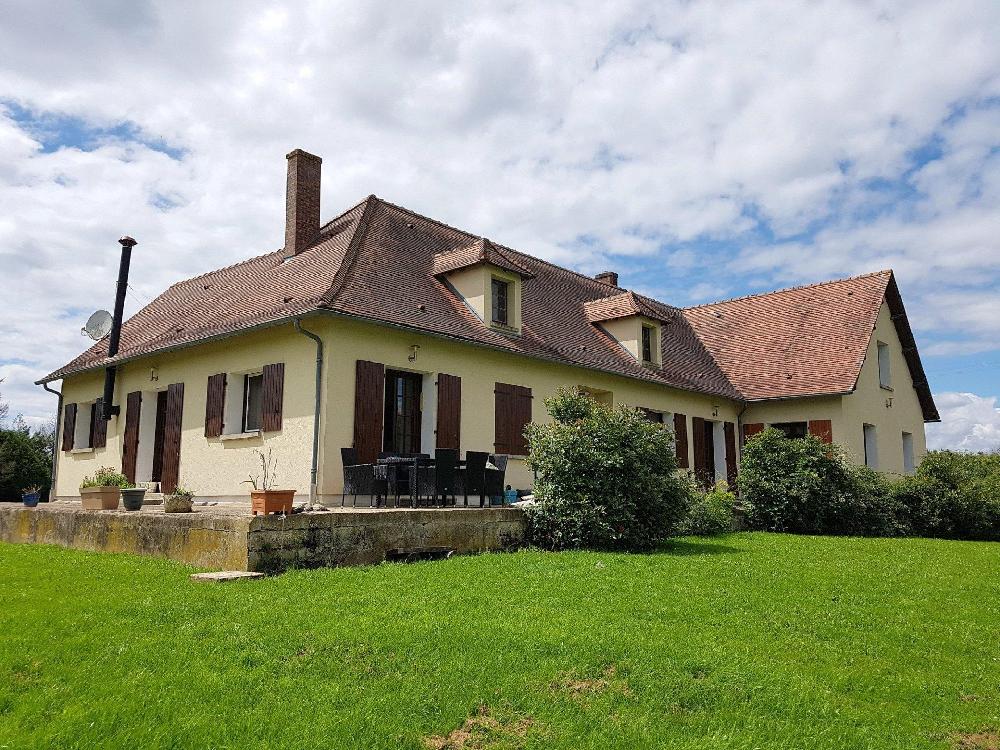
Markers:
point(413, 352)
point(715, 410)
point(153, 375)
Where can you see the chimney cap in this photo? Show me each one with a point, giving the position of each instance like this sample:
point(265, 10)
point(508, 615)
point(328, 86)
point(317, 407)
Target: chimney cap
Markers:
point(607, 277)
point(127, 241)
point(300, 152)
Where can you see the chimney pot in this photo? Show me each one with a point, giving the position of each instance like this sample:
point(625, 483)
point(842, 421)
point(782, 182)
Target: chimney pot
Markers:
point(301, 201)
point(608, 277)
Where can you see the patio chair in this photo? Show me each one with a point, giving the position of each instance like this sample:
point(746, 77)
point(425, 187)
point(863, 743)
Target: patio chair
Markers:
point(471, 480)
point(436, 481)
point(359, 479)
point(495, 479)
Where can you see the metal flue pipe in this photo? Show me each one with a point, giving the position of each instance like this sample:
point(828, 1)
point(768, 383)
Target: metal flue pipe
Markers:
point(110, 408)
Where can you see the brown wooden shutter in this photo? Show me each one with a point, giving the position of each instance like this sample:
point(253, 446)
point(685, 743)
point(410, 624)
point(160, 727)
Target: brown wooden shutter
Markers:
point(821, 428)
point(730, 430)
point(98, 426)
point(681, 440)
point(749, 430)
point(215, 402)
point(512, 404)
point(273, 393)
point(172, 438)
point(69, 426)
point(449, 411)
point(369, 392)
point(700, 453)
point(130, 442)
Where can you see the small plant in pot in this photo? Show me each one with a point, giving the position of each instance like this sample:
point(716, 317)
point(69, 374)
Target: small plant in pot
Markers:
point(103, 490)
point(132, 497)
point(263, 497)
point(180, 500)
point(31, 495)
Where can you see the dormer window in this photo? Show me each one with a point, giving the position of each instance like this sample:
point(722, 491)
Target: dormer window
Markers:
point(499, 308)
point(647, 343)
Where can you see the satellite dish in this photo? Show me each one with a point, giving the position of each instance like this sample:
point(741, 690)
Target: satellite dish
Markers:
point(98, 325)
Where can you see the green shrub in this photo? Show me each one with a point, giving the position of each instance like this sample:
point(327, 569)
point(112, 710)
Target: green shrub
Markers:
point(709, 513)
point(805, 486)
point(605, 478)
point(106, 476)
point(954, 495)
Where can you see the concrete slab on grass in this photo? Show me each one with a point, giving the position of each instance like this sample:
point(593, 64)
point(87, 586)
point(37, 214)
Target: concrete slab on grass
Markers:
point(222, 576)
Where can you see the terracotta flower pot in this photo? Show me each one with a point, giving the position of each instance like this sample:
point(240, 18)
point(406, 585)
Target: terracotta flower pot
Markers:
point(100, 498)
point(271, 501)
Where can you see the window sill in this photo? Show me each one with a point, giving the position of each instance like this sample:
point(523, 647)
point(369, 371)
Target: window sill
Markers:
point(82, 450)
point(886, 387)
point(241, 435)
point(504, 328)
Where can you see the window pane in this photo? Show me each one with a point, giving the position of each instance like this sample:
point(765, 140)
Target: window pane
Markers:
point(499, 307)
point(792, 429)
point(253, 386)
point(647, 344)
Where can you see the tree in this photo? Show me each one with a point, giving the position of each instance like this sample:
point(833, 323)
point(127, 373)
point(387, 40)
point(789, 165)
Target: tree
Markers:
point(24, 462)
point(606, 477)
point(4, 409)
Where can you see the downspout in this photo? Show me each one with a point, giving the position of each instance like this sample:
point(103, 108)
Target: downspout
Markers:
point(313, 490)
point(55, 439)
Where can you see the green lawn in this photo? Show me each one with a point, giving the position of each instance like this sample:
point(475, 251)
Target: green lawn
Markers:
point(748, 641)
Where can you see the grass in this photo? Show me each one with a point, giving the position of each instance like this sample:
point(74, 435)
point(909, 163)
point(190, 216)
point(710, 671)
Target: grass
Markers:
point(747, 641)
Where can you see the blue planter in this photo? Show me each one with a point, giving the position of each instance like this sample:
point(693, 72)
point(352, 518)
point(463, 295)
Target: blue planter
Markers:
point(31, 500)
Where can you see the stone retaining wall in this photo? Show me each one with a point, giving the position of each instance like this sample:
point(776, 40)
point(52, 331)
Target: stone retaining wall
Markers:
point(270, 544)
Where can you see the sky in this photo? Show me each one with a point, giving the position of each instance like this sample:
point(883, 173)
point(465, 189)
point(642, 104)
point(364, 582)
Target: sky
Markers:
point(703, 150)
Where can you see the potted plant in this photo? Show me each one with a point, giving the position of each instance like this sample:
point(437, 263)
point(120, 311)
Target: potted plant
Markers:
point(264, 498)
point(179, 501)
point(31, 495)
point(132, 497)
point(103, 490)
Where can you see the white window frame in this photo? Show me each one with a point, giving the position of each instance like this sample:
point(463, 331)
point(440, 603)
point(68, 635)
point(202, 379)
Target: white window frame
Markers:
point(234, 404)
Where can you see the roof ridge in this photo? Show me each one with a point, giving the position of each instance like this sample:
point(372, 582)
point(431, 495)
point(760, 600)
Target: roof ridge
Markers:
point(351, 254)
point(498, 245)
point(790, 289)
point(342, 214)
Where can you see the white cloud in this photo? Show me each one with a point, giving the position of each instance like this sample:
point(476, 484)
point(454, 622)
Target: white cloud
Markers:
point(642, 126)
point(968, 422)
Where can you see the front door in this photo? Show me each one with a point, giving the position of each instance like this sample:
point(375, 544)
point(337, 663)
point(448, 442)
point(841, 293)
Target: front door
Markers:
point(401, 431)
point(161, 421)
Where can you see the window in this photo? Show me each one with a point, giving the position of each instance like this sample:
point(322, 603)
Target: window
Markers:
point(83, 432)
point(792, 429)
point(884, 370)
point(647, 344)
point(653, 416)
point(253, 387)
point(908, 463)
point(499, 307)
point(871, 446)
point(401, 430)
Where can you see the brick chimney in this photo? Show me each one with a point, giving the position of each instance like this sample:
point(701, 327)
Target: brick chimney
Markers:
point(301, 201)
point(608, 277)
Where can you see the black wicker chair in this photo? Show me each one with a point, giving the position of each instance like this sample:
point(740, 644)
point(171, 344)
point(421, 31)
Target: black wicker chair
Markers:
point(471, 480)
point(495, 479)
point(436, 482)
point(359, 479)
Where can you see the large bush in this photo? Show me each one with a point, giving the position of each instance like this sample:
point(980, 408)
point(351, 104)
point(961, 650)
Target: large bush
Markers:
point(24, 462)
point(954, 495)
point(605, 477)
point(709, 513)
point(805, 486)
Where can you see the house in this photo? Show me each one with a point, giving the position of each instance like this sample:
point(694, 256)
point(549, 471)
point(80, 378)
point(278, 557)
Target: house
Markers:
point(389, 331)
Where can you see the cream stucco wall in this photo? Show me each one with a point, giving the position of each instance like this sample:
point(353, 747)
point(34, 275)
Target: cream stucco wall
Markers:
point(474, 285)
point(211, 467)
point(628, 333)
point(867, 404)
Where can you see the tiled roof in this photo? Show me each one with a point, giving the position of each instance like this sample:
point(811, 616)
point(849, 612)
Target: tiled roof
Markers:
point(479, 251)
point(383, 263)
point(622, 306)
point(806, 341)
